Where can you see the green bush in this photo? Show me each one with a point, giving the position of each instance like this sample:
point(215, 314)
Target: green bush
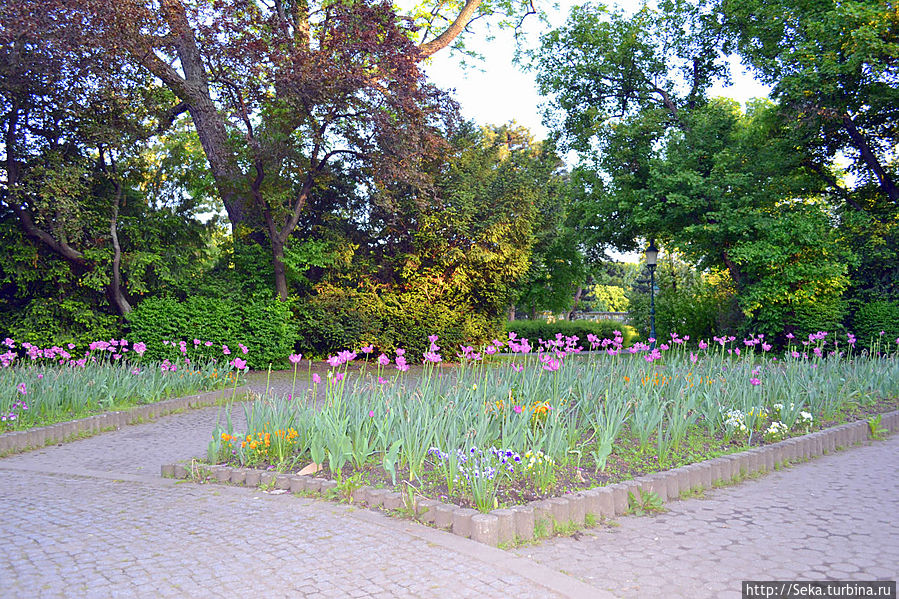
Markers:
point(336, 319)
point(262, 325)
point(541, 329)
point(874, 317)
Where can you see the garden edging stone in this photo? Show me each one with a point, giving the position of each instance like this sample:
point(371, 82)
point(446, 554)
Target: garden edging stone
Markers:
point(521, 522)
point(63, 432)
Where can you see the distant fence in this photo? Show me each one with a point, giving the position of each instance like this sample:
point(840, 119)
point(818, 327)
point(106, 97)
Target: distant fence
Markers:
point(619, 316)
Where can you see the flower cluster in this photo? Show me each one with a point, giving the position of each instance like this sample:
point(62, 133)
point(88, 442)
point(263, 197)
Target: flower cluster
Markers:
point(777, 431)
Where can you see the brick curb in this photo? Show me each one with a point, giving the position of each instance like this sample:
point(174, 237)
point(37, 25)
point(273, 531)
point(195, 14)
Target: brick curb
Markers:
point(35, 438)
point(523, 522)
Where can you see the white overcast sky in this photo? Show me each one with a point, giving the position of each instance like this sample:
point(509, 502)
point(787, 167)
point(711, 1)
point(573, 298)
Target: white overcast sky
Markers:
point(495, 91)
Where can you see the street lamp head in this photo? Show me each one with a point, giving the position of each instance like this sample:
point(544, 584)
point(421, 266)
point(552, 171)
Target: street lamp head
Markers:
point(652, 254)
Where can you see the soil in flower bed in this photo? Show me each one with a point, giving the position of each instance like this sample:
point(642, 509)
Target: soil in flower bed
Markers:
point(626, 461)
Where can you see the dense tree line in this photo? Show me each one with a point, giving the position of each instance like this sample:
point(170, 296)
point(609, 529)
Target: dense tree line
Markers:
point(294, 151)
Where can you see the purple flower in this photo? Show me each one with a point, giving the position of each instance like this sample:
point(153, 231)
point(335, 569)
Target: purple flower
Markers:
point(383, 360)
point(755, 381)
point(432, 357)
point(693, 358)
point(382, 380)
point(401, 363)
point(490, 350)
point(295, 358)
point(225, 350)
point(238, 363)
point(400, 351)
point(140, 348)
point(12, 344)
point(334, 361)
point(316, 379)
point(339, 376)
point(367, 349)
point(243, 348)
point(703, 344)
point(22, 389)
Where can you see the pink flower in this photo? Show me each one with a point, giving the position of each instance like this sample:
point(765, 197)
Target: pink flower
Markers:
point(208, 344)
point(316, 379)
point(225, 350)
point(295, 358)
point(433, 338)
point(517, 409)
point(22, 389)
point(238, 363)
point(766, 347)
point(371, 413)
point(490, 350)
point(140, 348)
point(196, 342)
point(401, 364)
point(339, 376)
point(400, 351)
point(382, 380)
point(755, 381)
point(71, 346)
point(243, 348)
point(693, 358)
point(432, 357)
point(517, 367)
point(334, 361)
point(368, 349)
point(383, 360)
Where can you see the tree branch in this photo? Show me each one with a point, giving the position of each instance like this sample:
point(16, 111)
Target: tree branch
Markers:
point(452, 32)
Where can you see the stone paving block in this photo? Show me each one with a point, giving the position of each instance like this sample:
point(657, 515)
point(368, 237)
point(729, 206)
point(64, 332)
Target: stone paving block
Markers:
point(600, 502)
point(360, 495)
point(543, 515)
point(268, 478)
point(672, 486)
point(619, 495)
point(443, 515)
point(658, 484)
point(577, 507)
point(238, 476)
point(314, 485)
point(524, 522)
point(861, 431)
point(462, 521)
point(505, 526)
point(282, 482)
point(297, 484)
point(695, 476)
point(222, 474)
point(769, 454)
point(393, 501)
point(376, 497)
point(326, 486)
point(425, 509)
point(252, 478)
point(561, 510)
point(181, 472)
point(485, 529)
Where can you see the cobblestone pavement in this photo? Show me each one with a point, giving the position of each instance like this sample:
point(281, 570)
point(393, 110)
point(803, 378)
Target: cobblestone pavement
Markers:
point(834, 517)
point(93, 518)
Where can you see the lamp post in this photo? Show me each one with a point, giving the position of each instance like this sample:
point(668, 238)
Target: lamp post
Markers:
point(652, 257)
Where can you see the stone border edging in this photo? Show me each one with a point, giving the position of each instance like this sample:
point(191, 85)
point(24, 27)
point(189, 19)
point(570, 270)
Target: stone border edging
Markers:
point(520, 522)
point(36, 438)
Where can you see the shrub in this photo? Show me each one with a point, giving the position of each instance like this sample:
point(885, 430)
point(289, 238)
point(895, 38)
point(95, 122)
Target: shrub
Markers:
point(541, 329)
point(337, 319)
point(873, 317)
point(261, 325)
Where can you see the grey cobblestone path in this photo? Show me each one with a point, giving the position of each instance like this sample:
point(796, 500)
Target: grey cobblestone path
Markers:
point(832, 518)
point(93, 518)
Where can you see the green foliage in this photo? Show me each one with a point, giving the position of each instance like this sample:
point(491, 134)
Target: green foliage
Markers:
point(337, 319)
point(687, 301)
point(261, 325)
point(541, 329)
point(609, 298)
point(875, 317)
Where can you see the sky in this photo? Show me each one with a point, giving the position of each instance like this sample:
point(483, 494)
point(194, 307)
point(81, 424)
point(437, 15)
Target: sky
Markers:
point(495, 91)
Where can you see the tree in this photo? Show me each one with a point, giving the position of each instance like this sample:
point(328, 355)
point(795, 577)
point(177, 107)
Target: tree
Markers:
point(276, 92)
point(660, 159)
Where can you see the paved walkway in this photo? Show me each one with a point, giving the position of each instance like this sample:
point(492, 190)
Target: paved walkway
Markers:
point(93, 518)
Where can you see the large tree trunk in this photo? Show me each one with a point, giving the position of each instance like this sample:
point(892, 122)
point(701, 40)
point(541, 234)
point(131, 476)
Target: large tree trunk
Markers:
point(577, 301)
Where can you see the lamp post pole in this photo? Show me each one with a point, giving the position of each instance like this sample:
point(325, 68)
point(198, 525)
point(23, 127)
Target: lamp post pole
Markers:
point(652, 256)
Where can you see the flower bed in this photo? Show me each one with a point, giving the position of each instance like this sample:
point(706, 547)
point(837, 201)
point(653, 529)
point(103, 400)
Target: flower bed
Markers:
point(546, 421)
point(39, 387)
